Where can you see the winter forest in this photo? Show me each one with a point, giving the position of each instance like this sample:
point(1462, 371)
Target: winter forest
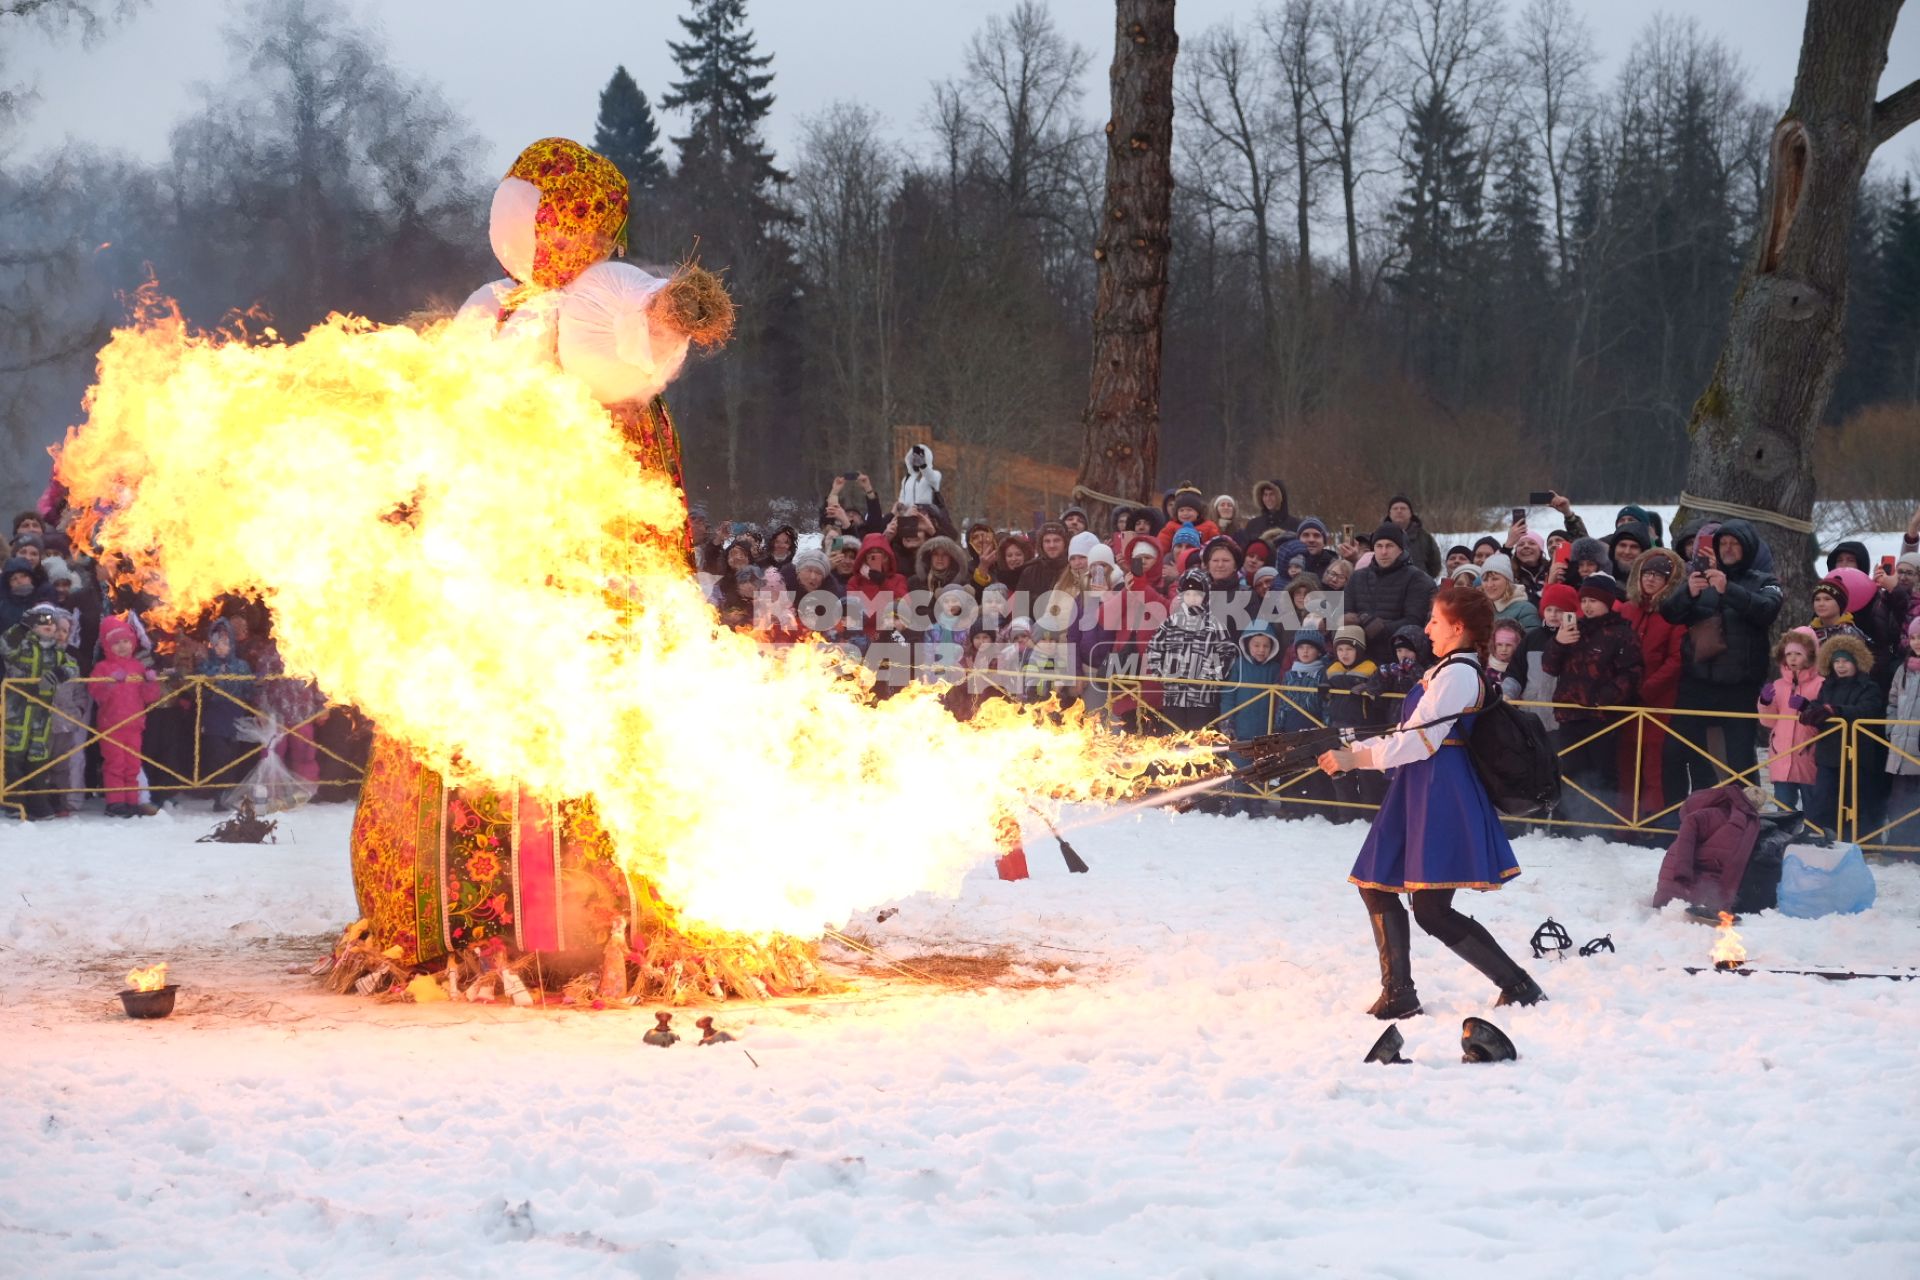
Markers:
point(1419, 244)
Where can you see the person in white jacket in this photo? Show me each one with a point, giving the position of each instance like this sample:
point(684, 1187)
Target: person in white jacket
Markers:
point(921, 486)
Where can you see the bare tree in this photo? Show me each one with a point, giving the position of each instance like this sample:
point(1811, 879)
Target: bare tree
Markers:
point(1227, 93)
point(1022, 90)
point(1356, 89)
point(1294, 35)
point(844, 183)
point(1555, 57)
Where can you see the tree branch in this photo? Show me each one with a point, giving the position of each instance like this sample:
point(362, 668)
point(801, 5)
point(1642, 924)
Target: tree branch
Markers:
point(1895, 112)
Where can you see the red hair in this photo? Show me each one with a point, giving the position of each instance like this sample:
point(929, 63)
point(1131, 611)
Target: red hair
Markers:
point(1469, 607)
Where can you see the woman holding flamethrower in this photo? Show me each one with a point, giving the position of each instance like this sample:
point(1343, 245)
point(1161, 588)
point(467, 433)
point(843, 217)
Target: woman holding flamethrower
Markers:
point(1437, 830)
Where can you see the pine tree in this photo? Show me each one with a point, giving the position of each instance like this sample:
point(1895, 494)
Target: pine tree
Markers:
point(1899, 290)
point(723, 88)
point(1440, 230)
point(627, 134)
point(1516, 228)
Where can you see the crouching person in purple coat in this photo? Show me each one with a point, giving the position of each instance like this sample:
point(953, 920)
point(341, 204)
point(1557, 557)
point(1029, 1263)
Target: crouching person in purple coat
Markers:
point(1437, 831)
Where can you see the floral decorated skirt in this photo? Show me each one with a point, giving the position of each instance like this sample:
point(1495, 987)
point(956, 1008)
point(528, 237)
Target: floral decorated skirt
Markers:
point(438, 868)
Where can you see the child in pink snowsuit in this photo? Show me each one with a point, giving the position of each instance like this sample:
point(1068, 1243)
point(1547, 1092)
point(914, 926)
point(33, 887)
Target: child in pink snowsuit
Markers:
point(1791, 771)
point(127, 688)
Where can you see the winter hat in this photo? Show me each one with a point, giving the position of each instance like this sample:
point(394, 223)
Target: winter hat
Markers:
point(1534, 538)
point(1265, 573)
point(1313, 522)
point(1911, 559)
point(1498, 563)
point(1082, 543)
point(1602, 587)
point(1800, 636)
point(1828, 587)
point(1074, 511)
point(33, 540)
point(1102, 554)
point(1258, 551)
point(1390, 532)
point(57, 571)
point(846, 542)
point(1188, 496)
point(1486, 540)
point(1858, 550)
point(1466, 575)
point(1214, 509)
point(1560, 596)
point(1859, 588)
point(1186, 536)
point(1636, 531)
point(1020, 626)
point(1591, 549)
point(1194, 580)
point(812, 558)
point(1353, 636)
point(1317, 639)
point(112, 628)
point(1460, 549)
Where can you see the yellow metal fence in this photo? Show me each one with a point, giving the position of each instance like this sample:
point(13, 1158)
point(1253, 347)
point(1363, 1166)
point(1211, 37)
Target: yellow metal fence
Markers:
point(1868, 741)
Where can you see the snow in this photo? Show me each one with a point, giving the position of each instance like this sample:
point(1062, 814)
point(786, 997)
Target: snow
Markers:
point(1192, 1103)
point(1832, 519)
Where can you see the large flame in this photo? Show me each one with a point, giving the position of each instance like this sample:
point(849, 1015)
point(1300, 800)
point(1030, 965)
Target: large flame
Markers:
point(444, 526)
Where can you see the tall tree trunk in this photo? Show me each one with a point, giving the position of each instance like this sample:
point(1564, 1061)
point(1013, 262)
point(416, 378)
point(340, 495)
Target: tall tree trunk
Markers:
point(1753, 430)
point(1120, 455)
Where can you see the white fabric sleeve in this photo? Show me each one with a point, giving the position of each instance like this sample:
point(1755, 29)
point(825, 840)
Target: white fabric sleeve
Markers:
point(1457, 688)
point(610, 341)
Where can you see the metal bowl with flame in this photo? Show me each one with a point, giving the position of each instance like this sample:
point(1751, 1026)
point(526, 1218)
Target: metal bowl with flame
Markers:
point(148, 993)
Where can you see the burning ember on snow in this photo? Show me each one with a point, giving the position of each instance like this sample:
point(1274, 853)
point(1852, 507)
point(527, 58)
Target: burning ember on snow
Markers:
point(149, 979)
point(512, 626)
point(1728, 951)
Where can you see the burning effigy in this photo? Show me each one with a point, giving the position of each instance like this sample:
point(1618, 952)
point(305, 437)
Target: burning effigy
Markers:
point(474, 531)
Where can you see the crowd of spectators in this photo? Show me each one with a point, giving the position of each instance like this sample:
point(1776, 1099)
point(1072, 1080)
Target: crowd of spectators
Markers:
point(102, 698)
point(1198, 612)
point(1189, 613)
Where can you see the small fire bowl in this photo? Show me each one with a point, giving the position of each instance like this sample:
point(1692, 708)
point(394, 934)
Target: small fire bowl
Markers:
point(149, 1004)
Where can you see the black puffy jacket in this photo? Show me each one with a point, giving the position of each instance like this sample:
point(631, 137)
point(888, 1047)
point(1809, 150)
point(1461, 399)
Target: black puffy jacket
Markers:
point(1384, 600)
point(1747, 609)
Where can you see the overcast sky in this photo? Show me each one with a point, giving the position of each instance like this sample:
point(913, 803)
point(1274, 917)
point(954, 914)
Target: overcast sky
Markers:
point(521, 70)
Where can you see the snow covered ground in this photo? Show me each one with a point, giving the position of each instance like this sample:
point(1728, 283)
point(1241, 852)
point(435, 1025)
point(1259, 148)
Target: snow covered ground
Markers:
point(1192, 1104)
point(1832, 518)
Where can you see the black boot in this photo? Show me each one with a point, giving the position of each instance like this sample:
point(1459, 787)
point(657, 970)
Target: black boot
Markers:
point(1398, 999)
point(1477, 948)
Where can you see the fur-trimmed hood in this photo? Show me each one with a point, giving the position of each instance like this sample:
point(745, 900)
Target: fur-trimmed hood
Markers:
point(1853, 645)
point(1676, 581)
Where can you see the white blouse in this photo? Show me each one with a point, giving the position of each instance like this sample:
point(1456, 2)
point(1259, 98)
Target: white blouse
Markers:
point(1457, 687)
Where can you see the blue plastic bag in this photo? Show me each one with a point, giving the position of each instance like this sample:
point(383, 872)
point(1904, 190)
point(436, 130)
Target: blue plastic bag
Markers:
point(1821, 880)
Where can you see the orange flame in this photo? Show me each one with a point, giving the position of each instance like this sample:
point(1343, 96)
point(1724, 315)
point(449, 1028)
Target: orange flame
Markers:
point(495, 628)
point(152, 978)
point(1727, 947)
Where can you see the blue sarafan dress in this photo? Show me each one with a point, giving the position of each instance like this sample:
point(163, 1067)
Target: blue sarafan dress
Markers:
point(1436, 829)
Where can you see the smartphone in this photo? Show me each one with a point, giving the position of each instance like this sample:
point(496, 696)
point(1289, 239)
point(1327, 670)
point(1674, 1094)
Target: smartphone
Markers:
point(1540, 498)
point(1701, 562)
point(1887, 563)
point(1563, 553)
point(1519, 514)
point(1346, 533)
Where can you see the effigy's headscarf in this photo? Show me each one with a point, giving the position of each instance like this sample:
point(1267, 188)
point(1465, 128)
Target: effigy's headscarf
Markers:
point(560, 209)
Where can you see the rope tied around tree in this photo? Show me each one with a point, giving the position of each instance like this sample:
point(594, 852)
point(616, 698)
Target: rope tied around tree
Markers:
point(1081, 491)
point(1735, 511)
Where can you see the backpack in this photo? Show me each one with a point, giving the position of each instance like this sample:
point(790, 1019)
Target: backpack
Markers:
point(1512, 754)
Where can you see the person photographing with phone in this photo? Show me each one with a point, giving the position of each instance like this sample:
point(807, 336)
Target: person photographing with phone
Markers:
point(1437, 831)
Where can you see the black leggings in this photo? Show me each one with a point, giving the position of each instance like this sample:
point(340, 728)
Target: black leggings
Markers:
point(1432, 911)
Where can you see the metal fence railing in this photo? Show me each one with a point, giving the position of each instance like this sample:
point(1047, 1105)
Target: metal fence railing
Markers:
point(173, 760)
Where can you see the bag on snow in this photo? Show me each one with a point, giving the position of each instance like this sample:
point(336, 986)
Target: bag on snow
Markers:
point(1820, 880)
point(1513, 756)
point(270, 786)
